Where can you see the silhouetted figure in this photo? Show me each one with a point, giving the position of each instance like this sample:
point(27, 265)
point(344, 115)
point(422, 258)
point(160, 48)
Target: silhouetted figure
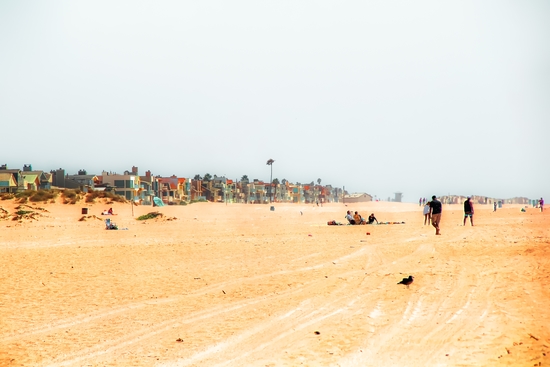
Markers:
point(435, 206)
point(468, 211)
point(407, 281)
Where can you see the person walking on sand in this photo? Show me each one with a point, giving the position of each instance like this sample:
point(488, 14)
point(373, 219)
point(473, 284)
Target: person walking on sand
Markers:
point(426, 212)
point(469, 211)
point(541, 204)
point(435, 206)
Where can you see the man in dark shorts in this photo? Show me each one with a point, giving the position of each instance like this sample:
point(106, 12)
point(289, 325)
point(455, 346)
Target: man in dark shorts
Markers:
point(469, 211)
point(435, 206)
point(372, 218)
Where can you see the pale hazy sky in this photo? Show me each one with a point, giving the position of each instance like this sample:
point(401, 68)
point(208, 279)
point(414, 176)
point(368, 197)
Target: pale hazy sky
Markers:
point(419, 97)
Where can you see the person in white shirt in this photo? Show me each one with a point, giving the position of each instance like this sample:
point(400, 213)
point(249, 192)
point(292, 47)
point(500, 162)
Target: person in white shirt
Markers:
point(427, 216)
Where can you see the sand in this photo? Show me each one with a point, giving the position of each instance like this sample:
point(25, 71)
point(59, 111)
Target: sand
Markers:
point(211, 284)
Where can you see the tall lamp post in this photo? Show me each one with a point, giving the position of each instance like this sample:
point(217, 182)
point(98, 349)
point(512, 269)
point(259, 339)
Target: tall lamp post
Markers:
point(270, 163)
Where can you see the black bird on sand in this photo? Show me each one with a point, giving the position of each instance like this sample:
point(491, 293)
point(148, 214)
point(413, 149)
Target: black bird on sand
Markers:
point(407, 281)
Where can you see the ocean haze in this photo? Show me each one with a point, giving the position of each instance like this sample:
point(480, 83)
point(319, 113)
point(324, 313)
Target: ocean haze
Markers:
point(421, 98)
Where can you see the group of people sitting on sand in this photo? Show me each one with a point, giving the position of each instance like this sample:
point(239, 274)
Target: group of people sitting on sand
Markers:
point(356, 218)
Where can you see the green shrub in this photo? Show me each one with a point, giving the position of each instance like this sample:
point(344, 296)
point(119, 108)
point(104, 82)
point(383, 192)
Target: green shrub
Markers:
point(201, 200)
point(151, 215)
point(23, 212)
point(91, 196)
point(71, 196)
point(23, 196)
point(44, 195)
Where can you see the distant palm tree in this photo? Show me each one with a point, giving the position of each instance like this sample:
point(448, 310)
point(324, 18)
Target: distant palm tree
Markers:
point(270, 163)
point(197, 177)
point(207, 177)
point(319, 181)
point(245, 178)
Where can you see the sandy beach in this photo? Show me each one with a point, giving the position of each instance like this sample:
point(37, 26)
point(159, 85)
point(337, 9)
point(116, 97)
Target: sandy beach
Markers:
point(210, 284)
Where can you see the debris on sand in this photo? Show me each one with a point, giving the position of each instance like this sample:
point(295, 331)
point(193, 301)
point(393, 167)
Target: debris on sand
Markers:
point(86, 217)
point(22, 213)
point(4, 214)
point(23, 206)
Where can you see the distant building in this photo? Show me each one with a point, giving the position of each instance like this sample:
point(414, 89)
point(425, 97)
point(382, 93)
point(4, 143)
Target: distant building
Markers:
point(126, 185)
point(58, 177)
point(7, 182)
point(13, 180)
point(173, 189)
point(82, 181)
point(42, 181)
point(357, 198)
point(149, 188)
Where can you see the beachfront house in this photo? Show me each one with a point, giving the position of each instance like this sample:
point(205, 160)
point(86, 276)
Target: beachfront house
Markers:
point(296, 193)
point(231, 191)
point(81, 181)
point(44, 178)
point(31, 181)
point(239, 193)
point(309, 195)
point(173, 189)
point(212, 189)
point(13, 180)
point(149, 188)
point(224, 189)
point(279, 192)
point(7, 182)
point(17, 176)
point(258, 192)
point(195, 190)
point(126, 185)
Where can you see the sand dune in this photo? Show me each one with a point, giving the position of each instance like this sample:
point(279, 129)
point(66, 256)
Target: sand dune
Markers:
point(241, 285)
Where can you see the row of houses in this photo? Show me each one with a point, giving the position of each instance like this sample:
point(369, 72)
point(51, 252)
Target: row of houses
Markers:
point(171, 190)
point(477, 199)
